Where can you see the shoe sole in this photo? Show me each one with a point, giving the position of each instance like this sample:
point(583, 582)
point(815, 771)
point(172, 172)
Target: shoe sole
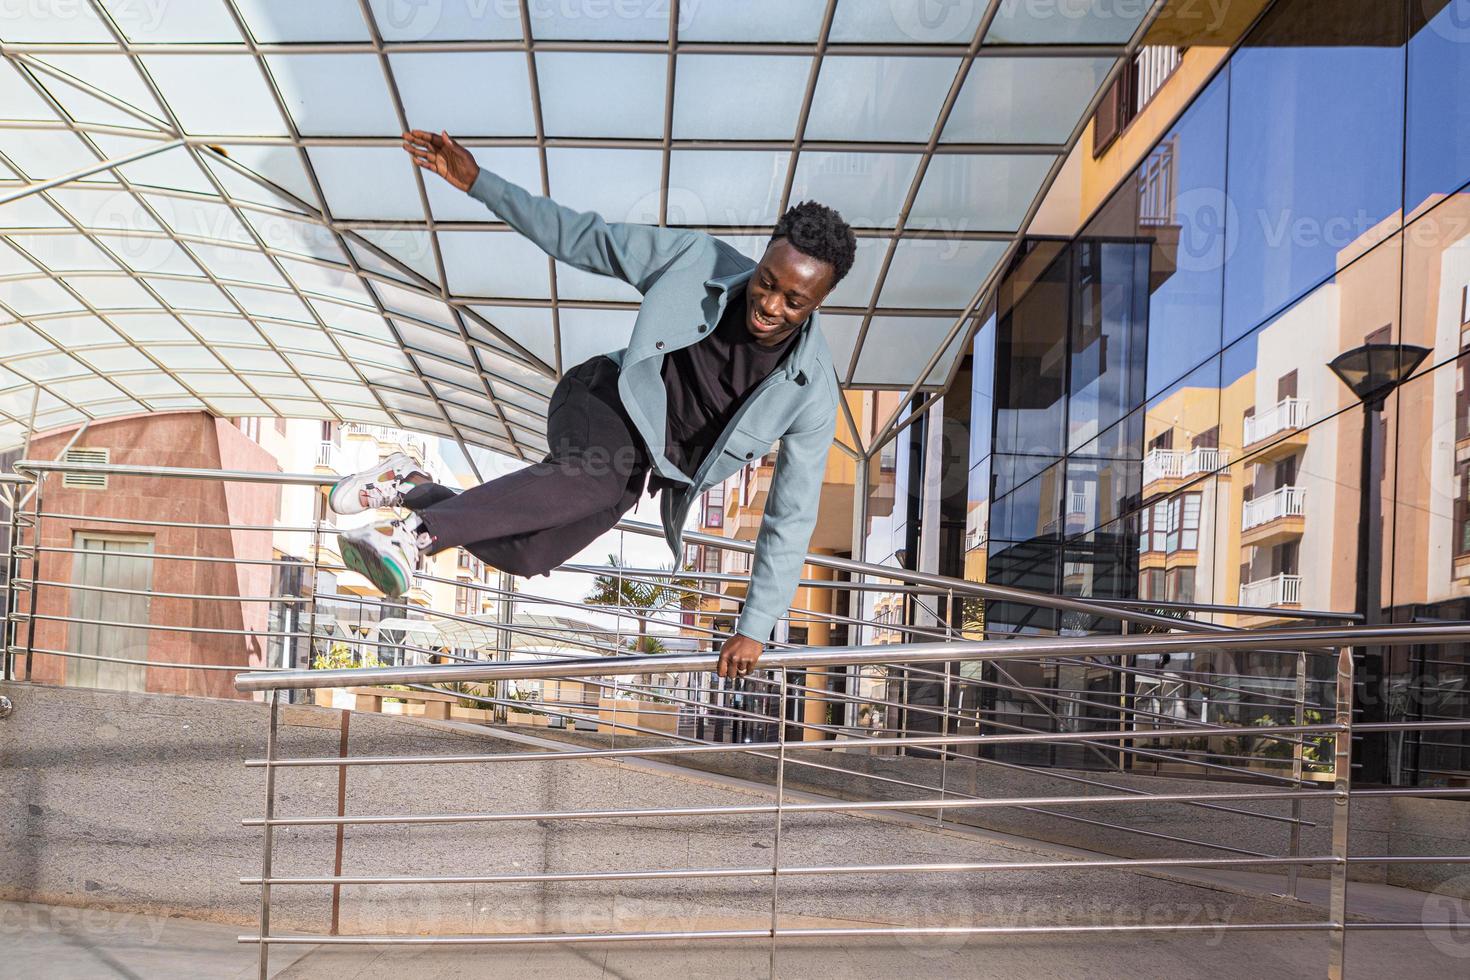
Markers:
point(348, 506)
point(385, 578)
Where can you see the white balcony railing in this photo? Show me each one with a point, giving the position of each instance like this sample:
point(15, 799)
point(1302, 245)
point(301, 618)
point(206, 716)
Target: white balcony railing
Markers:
point(1289, 413)
point(1178, 464)
point(329, 456)
point(1279, 503)
point(1278, 590)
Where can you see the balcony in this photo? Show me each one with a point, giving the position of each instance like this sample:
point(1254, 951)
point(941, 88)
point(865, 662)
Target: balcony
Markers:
point(329, 457)
point(1281, 423)
point(1278, 590)
point(1273, 517)
point(390, 440)
point(1178, 464)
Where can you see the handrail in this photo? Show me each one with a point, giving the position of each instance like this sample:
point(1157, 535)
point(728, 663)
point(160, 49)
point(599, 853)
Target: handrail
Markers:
point(1024, 647)
point(943, 582)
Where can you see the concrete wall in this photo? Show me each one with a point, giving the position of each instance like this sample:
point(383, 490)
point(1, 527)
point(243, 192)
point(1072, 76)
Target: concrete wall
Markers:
point(133, 801)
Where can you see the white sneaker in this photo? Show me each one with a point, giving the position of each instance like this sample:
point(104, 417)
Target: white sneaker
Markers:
point(383, 486)
point(386, 553)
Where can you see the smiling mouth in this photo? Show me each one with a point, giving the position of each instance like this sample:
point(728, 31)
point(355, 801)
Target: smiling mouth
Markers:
point(761, 320)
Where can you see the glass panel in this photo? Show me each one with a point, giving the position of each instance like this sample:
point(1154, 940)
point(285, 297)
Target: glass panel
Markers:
point(841, 331)
point(861, 98)
point(197, 20)
point(620, 185)
point(1109, 331)
point(529, 326)
point(1316, 149)
point(31, 296)
point(434, 92)
point(61, 253)
point(447, 21)
point(1179, 191)
point(982, 393)
point(896, 348)
point(1024, 100)
point(978, 193)
point(1031, 343)
point(261, 302)
point(732, 187)
point(1104, 478)
point(200, 219)
point(111, 73)
point(335, 94)
point(1438, 156)
point(718, 96)
point(856, 288)
point(412, 248)
point(593, 94)
point(906, 21)
point(20, 100)
point(216, 93)
point(191, 295)
point(111, 292)
point(937, 273)
point(280, 165)
point(246, 265)
point(596, 20)
point(1286, 360)
point(49, 154)
point(585, 333)
point(391, 193)
point(1066, 22)
point(273, 21)
point(494, 264)
point(77, 331)
point(751, 20)
point(173, 169)
point(1437, 280)
point(867, 188)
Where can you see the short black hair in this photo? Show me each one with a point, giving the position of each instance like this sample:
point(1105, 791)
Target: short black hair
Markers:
point(817, 230)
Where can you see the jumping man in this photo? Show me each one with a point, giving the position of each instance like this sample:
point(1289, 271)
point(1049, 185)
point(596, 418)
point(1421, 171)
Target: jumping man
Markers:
point(725, 360)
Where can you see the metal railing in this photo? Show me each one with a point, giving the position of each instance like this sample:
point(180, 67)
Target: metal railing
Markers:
point(940, 699)
point(1278, 590)
point(1279, 503)
point(1285, 415)
point(1176, 464)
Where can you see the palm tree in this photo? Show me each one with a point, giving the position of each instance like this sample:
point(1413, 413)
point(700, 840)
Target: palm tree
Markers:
point(623, 592)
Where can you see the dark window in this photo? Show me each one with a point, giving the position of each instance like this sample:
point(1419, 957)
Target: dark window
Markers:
point(1208, 439)
point(1286, 386)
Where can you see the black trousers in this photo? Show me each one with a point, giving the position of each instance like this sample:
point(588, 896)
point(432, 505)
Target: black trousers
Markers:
point(530, 521)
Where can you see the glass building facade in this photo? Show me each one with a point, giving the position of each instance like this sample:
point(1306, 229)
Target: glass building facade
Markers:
point(1153, 415)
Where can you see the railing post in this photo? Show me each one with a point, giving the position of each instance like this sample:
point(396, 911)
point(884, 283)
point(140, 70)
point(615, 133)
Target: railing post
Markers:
point(1342, 773)
point(318, 510)
point(12, 589)
point(780, 807)
point(266, 842)
point(944, 718)
point(35, 572)
point(1298, 749)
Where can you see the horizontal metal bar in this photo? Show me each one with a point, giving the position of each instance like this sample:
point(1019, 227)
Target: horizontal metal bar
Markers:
point(161, 665)
point(824, 933)
point(198, 596)
point(766, 871)
point(860, 806)
point(1022, 647)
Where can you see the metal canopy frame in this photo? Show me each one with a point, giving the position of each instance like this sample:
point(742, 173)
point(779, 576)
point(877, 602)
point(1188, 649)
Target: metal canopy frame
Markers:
point(438, 363)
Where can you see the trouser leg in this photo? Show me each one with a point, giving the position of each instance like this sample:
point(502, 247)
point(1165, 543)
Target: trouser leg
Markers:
point(592, 475)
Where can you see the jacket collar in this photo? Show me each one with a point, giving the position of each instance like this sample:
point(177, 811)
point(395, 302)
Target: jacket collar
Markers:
point(800, 364)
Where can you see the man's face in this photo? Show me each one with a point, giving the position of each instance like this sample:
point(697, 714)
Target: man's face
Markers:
point(784, 290)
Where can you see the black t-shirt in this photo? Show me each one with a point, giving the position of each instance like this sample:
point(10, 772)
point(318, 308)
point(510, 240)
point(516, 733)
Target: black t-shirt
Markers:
point(707, 382)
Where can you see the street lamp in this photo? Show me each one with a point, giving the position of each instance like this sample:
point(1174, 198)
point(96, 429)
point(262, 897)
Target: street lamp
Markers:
point(1372, 372)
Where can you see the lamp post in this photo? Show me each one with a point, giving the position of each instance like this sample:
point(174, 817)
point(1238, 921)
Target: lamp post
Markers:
point(1372, 372)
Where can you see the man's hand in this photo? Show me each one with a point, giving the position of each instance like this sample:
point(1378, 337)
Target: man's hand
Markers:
point(738, 655)
point(439, 154)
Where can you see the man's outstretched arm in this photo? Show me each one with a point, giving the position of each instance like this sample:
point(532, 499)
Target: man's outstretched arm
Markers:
point(780, 547)
point(636, 253)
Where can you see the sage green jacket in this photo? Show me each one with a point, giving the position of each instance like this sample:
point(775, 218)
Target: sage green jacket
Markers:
point(685, 278)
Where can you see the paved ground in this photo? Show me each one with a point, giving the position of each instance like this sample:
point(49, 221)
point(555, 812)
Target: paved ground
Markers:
point(85, 944)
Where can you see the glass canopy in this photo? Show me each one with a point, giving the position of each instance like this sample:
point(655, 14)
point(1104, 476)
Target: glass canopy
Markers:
point(204, 205)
